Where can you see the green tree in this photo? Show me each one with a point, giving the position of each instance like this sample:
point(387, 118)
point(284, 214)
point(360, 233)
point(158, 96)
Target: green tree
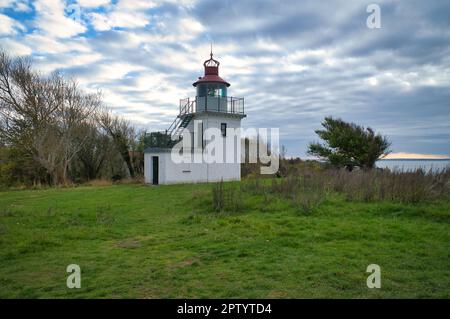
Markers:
point(349, 145)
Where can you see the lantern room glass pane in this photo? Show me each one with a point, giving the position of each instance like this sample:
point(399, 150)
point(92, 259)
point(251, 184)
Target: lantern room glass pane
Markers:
point(212, 90)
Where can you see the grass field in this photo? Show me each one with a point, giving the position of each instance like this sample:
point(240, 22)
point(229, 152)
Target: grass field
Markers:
point(135, 241)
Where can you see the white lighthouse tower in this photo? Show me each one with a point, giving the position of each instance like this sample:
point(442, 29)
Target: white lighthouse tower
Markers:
point(211, 110)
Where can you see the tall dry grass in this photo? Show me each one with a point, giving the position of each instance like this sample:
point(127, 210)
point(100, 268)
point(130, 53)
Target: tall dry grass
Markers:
point(307, 186)
point(383, 185)
point(360, 185)
point(226, 198)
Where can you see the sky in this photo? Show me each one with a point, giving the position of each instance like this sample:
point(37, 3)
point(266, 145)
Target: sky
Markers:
point(294, 62)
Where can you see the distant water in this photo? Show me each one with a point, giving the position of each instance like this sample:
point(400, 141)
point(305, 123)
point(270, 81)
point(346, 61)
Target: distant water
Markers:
point(412, 165)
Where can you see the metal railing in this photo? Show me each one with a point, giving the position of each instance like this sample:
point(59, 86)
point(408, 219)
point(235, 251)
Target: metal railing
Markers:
point(158, 139)
point(184, 109)
point(167, 138)
point(228, 104)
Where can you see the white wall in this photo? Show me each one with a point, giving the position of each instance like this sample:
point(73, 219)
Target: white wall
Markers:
point(172, 173)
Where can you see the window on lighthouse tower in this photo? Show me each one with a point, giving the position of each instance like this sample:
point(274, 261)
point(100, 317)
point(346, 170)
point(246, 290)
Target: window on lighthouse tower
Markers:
point(223, 129)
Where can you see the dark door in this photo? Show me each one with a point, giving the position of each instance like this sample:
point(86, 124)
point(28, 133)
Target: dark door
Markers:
point(155, 170)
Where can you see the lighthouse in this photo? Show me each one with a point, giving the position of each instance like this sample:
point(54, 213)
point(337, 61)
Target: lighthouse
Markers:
point(206, 131)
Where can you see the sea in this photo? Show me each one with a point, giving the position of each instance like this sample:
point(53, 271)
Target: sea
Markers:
point(405, 165)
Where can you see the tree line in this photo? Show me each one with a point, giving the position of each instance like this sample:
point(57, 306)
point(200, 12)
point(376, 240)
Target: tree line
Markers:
point(53, 133)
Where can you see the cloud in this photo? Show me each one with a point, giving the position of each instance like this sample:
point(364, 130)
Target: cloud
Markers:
point(415, 156)
point(117, 19)
point(14, 47)
point(9, 26)
point(124, 14)
point(15, 5)
point(93, 3)
point(51, 19)
point(49, 45)
point(6, 3)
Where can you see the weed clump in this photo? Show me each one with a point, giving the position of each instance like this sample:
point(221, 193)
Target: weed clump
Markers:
point(226, 199)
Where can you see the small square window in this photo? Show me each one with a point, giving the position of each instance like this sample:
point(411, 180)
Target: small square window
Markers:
point(223, 129)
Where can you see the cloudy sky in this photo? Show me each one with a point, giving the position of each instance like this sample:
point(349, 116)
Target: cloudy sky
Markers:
point(295, 62)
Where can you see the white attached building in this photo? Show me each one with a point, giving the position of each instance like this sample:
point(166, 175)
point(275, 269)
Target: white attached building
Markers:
point(212, 110)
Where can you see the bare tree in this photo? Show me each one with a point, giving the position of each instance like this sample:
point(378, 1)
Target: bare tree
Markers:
point(94, 152)
point(75, 113)
point(122, 133)
point(61, 133)
point(44, 115)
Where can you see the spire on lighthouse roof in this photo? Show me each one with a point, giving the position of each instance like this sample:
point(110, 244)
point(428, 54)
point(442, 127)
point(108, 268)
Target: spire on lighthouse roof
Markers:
point(211, 71)
point(211, 62)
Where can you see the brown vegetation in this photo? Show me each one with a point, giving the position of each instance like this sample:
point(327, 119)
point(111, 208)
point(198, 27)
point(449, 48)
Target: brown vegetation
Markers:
point(54, 133)
point(307, 184)
point(370, 185)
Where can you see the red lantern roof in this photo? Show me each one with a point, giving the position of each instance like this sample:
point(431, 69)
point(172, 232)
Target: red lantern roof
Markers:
point(211, 72)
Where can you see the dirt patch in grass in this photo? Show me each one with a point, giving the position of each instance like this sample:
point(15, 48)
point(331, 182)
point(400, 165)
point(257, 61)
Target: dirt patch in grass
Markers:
point(184, 263)
point(129, 243)
point(134, 242)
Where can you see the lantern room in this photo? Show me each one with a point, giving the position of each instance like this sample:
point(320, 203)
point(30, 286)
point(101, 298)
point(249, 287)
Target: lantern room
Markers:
point(211, 84)
point(212, 93)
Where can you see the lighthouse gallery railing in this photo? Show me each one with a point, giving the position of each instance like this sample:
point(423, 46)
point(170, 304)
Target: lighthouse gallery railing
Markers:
point(228, 104)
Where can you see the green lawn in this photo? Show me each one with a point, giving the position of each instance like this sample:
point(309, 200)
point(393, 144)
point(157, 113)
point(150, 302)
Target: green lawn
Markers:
point(135, 241)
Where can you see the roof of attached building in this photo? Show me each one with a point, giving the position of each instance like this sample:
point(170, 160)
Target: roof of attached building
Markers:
point(158, 150)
